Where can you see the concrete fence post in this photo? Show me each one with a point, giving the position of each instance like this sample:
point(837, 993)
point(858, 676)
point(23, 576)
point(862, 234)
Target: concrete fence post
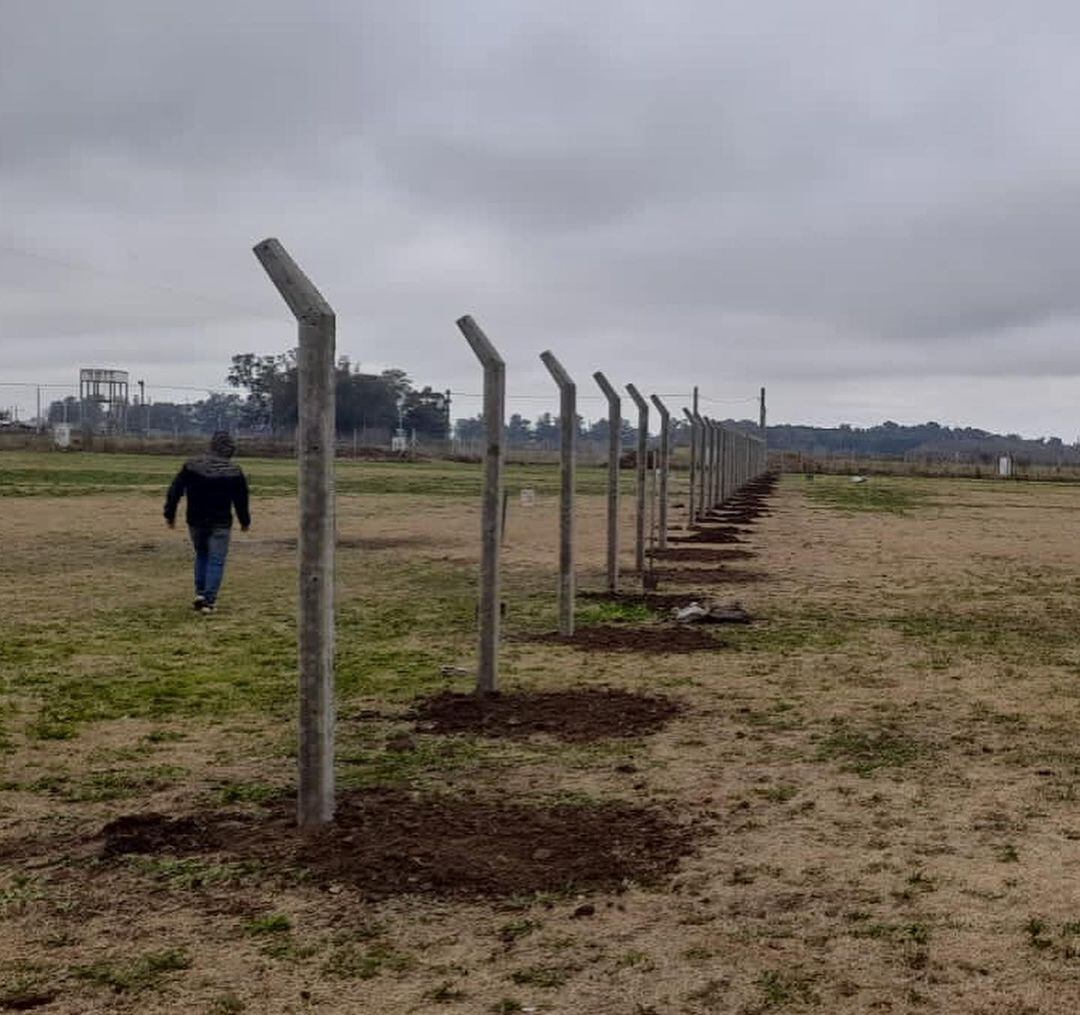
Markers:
point(691, 502)
point(703, 464)
point(491, 520)
point(642, 461)
point(704, 507)
point(665, 468)
point(315, 447)
point(568, 440)
point(614, 448)
point(725, 459)
point(714, 460)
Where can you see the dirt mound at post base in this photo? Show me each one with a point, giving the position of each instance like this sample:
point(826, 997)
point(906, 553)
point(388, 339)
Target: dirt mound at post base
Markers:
point(701, 553)
point(574, 715)
point(651, 639)
point(708, 575)
point(151, 833)
point(386, 843)
point(710, 534)
point(662, 602)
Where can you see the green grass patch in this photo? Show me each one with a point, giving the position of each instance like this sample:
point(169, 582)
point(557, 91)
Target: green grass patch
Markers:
point(890, 496)
point(272, 923)
point(780, 989)
point(188, 874)
point(114, 784)
point(246, 793)
point(160, 662)
point(544, 977)
point(430, 757)
point(352, 962)
point(51, 474)
point(615, 612)
point(864, 751)
point(135, 975)
point(809, 629)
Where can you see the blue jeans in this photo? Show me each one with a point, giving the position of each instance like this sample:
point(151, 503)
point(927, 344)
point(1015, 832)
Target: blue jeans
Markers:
point(211, 549)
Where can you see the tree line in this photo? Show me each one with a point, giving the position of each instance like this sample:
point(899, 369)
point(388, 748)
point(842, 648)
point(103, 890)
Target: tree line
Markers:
point(264, 401)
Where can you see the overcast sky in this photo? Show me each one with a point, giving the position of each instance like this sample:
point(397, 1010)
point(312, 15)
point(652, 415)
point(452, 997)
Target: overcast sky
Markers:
point(871, 207)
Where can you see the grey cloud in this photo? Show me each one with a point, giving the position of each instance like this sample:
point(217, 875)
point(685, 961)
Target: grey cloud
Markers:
point(831, 194)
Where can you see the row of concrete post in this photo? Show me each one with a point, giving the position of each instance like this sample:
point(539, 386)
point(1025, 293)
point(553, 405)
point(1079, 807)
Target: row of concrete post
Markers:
point(722, 460)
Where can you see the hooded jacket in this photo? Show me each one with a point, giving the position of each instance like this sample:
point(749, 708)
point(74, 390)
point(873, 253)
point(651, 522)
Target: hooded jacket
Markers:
point(214, 486)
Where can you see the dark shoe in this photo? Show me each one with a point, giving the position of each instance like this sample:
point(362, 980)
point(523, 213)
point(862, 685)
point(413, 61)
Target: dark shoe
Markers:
point(208, 607)
point(199, 604)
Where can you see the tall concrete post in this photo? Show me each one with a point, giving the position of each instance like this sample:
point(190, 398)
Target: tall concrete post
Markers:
point(567, 442)
point(724, 453)
point(642, 461)
point(694, 409)
point(315, 448)
point(714, 491)
point(665, 468)
point(691, 504)
point(703, 463)
point(487, 675)
point(614, 447)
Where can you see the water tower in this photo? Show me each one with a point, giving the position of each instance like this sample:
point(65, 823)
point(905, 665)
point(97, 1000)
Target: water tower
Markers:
point(103, 395)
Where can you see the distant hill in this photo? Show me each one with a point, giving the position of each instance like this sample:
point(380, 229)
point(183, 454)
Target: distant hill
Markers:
point(927, 440)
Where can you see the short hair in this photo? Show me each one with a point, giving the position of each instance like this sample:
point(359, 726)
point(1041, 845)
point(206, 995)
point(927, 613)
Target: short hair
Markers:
point(222, 444)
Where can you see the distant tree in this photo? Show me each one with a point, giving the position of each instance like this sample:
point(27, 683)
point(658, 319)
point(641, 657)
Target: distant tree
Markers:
point(425, 413)
point(518, 430)
point(469, 428)
point(546, 429)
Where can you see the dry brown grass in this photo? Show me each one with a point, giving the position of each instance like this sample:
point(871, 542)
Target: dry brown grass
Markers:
point(887, 765)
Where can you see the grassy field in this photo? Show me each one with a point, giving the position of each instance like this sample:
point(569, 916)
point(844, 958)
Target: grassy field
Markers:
point(881, 772)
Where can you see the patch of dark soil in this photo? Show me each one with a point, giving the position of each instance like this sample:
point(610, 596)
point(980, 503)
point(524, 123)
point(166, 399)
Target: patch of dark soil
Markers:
point(660, 601)
point(710, 534)
point(735, 517)
point(152, 833)
point(700, 553)
point(25, 1000)
point(574, 715)
point(709, 575)
point(390, 842)
point(652, 638)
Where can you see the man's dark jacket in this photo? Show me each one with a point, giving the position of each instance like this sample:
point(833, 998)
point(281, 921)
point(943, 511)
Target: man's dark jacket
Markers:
point(213, 486)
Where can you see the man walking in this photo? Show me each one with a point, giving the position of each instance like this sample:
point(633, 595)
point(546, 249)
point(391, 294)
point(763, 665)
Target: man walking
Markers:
point(214, 485)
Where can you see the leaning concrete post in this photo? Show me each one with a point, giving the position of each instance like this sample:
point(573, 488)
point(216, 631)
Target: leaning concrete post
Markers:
point(614, 441)
point(710, 479)
point(642, 457)
point(703, 471)
point(714, 479)
point(315, 448)
point(730, 482)
point(725, 462)
point(703, 463)
point(665, 467)
point(692, 513)
point(568, 438)
point(487, 676)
